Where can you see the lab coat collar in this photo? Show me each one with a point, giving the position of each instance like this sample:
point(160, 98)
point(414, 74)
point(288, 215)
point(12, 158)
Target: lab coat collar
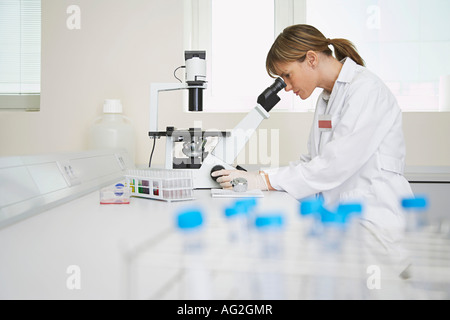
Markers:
point(325, 95)
point(347, 71)
point(345, 76)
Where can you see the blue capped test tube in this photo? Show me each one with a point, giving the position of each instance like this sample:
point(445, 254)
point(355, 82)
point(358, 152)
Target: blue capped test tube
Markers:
point(310, 210)
point(269, 227)
point(415, 208)
point(238, 216)
point(197, 280)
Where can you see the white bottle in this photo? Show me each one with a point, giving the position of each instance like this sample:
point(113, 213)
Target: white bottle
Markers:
point(113, 130)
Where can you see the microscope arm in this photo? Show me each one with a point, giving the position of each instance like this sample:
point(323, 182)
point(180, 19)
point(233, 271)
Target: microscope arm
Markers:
point(227, 149)
point(155, 88)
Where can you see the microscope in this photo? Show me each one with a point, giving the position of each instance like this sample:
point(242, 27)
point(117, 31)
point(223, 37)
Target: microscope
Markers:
point(194, 140)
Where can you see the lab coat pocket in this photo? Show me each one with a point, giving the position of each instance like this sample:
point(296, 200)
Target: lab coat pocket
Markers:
point(327, 122)
point(326, 134)
point(391, 164)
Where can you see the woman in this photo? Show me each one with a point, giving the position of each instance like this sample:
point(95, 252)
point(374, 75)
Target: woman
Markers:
point(356, 144)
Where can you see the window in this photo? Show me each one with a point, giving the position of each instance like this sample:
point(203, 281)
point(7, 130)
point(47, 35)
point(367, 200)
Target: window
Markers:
point(20, 54)
point(405, 42)
point(237, 36)
point(235, 81)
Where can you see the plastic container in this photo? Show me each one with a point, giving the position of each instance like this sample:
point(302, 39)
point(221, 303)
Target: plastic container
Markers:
point(113, 130)
point(161, 184)
point(415, 209)
point(269, 227)
point(310, 210)
point(196, 283)
point(239, 216)
point(327, 265)
point(116, 194)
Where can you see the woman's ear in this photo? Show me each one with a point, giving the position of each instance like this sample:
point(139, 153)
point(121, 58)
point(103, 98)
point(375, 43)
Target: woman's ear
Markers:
point(312, 59)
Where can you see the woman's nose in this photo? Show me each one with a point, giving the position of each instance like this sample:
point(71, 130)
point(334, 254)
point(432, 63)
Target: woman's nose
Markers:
point(288, 87)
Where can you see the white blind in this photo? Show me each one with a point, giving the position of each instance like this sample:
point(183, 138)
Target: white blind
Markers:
point(20, 46)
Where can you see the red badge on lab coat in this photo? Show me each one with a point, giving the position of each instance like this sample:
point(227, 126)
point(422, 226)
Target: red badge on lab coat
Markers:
point(324, 122)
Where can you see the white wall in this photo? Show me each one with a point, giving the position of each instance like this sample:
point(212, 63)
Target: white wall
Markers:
point(121, 48)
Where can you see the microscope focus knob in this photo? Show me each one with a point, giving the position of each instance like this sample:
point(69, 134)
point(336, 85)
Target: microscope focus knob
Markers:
point(216, 168)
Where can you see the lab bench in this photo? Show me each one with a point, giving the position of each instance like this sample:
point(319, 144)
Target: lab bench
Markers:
point(134, 251)
point(81, 249)
point(434, 182)
point(102, 240)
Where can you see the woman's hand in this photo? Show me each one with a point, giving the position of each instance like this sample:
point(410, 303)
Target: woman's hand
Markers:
point(254, 179)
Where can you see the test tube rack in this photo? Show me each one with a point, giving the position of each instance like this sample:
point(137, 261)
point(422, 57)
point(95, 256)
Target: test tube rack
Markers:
point(161, 184)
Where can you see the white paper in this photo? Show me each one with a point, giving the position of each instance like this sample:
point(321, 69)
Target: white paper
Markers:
point(222, 193)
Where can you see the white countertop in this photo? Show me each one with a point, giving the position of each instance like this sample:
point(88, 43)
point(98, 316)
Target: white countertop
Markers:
point(133, 250)
point(37, 251)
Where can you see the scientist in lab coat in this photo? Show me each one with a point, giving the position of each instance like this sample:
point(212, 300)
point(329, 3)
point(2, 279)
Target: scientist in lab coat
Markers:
point(356, 144)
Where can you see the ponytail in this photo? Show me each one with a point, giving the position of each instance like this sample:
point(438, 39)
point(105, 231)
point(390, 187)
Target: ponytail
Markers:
point(295, 41)
point(344, 48)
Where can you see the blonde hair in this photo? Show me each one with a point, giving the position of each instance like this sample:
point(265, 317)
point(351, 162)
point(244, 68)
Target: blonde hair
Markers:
point(295, 41)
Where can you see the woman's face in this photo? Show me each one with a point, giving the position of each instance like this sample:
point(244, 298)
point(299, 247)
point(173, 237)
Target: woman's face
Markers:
point(299, 77)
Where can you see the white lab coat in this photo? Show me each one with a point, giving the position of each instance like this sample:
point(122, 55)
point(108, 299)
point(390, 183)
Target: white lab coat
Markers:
point(361, 157)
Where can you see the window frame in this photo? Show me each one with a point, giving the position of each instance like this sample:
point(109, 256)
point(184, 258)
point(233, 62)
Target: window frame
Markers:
point(29, 102)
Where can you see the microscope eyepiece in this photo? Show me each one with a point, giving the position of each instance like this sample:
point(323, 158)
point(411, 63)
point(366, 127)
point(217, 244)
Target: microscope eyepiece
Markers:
point(268, 99)
point(278, 85)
